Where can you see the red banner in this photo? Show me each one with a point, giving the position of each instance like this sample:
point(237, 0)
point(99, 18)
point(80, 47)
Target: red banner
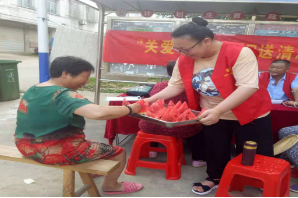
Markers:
point(154, 48)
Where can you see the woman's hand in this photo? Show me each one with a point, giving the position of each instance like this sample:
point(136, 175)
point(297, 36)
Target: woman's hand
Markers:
point(291, 103)
point(136, 108)
point(210, 116)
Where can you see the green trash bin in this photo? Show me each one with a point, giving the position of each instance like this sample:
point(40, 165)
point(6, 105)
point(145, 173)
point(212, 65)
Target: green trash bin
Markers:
point(9, 80)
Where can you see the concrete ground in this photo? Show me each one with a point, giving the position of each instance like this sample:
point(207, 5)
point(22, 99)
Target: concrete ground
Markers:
point(48, 181)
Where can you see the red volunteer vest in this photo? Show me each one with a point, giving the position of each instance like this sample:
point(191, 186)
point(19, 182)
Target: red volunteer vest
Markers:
point(257, 105)
point(265, 79)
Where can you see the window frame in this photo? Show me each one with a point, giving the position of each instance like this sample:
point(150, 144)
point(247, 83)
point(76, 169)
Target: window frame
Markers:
point(51, 3)
point(22, 4)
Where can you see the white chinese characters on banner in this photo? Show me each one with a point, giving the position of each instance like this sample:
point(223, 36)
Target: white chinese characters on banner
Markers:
point(272, 16)
point(209, 15)
point(147, 13)
point(237, 15)
point(179, 14)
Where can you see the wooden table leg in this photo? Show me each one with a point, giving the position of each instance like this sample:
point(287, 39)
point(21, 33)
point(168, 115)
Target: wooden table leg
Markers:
point(68, 183)
point(88, 179)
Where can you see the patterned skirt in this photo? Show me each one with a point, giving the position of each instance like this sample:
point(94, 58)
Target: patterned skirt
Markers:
point(64, 148)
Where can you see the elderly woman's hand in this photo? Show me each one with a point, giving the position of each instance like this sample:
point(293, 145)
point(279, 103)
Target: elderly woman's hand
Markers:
point(291, 103)
point(136, 108)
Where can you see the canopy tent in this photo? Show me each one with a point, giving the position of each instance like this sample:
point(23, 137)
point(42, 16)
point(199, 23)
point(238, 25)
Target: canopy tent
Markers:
point(248, 7)
point(257, 7)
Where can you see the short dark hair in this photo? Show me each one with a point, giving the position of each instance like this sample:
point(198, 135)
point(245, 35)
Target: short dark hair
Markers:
point(196, 30)
point(71, 65)
point(170, 67)
point(287, 63)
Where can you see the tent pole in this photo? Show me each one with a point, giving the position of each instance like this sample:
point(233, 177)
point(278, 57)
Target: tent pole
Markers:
point(100, 34)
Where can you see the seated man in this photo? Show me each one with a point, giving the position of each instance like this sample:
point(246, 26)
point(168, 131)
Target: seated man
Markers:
point(281, 84)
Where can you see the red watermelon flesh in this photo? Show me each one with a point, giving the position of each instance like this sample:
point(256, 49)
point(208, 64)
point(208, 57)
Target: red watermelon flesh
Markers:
point(187, 114)
point(164, 116)
point(183, 107)
point(141, 102)
point(181, 117)
point(178, 104)
point(186, 117)
point(171, 113)
point(125, 102)
point(171, 104)
point(143, 105)
point(147, 104)
point(150, 114)
point(161, 113)
point(155, 107)
point(168, 117)
point(174, 112)
point(190, 114)
point(161, 103)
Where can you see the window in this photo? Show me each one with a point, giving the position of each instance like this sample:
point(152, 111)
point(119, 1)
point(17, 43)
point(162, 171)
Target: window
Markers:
point(26, 4)
point(52, 6)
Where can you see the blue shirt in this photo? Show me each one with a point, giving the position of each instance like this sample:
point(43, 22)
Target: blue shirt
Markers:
point(276, 91)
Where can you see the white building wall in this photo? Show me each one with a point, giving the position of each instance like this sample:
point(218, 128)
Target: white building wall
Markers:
point(69, 13)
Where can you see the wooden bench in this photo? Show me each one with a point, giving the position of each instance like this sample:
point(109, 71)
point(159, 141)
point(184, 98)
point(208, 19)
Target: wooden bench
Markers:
point(98, 167)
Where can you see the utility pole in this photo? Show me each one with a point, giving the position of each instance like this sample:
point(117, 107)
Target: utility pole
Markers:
point(43, 41)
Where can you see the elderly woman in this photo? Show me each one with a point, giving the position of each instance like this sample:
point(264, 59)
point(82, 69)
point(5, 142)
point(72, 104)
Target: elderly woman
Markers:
point(290, 155)
point(50, 123)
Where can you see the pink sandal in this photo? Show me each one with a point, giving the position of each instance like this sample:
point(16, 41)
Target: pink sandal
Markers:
point(129, 187)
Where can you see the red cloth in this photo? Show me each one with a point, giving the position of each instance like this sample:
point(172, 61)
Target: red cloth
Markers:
point(258, 104)
point(282, 116)
point(265, 79)
point(124, 125)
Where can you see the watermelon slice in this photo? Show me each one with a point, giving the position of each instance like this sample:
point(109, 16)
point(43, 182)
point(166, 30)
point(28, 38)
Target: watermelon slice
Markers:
point(190, 115)
point(144, 108)
point(182, 117)
point(147, 105)
point(183, 107)
point(161, 103)
point(150, 114)
point(125, 102)
point(178, 104)
point(155, 107)
point(168, 117)
point(171, 104)
point(201, 113)
point(186, 117)
point(174, 112)
point(141, 102)
point(161, 113)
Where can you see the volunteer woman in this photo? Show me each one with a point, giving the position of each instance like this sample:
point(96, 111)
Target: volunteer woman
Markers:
point(237, 105)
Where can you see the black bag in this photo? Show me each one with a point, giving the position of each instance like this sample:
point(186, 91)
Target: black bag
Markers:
point(140, 90)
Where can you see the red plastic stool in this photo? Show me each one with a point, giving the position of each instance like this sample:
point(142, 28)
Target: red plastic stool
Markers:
point(270, 174)
point(294, 173)
point(141, 148)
